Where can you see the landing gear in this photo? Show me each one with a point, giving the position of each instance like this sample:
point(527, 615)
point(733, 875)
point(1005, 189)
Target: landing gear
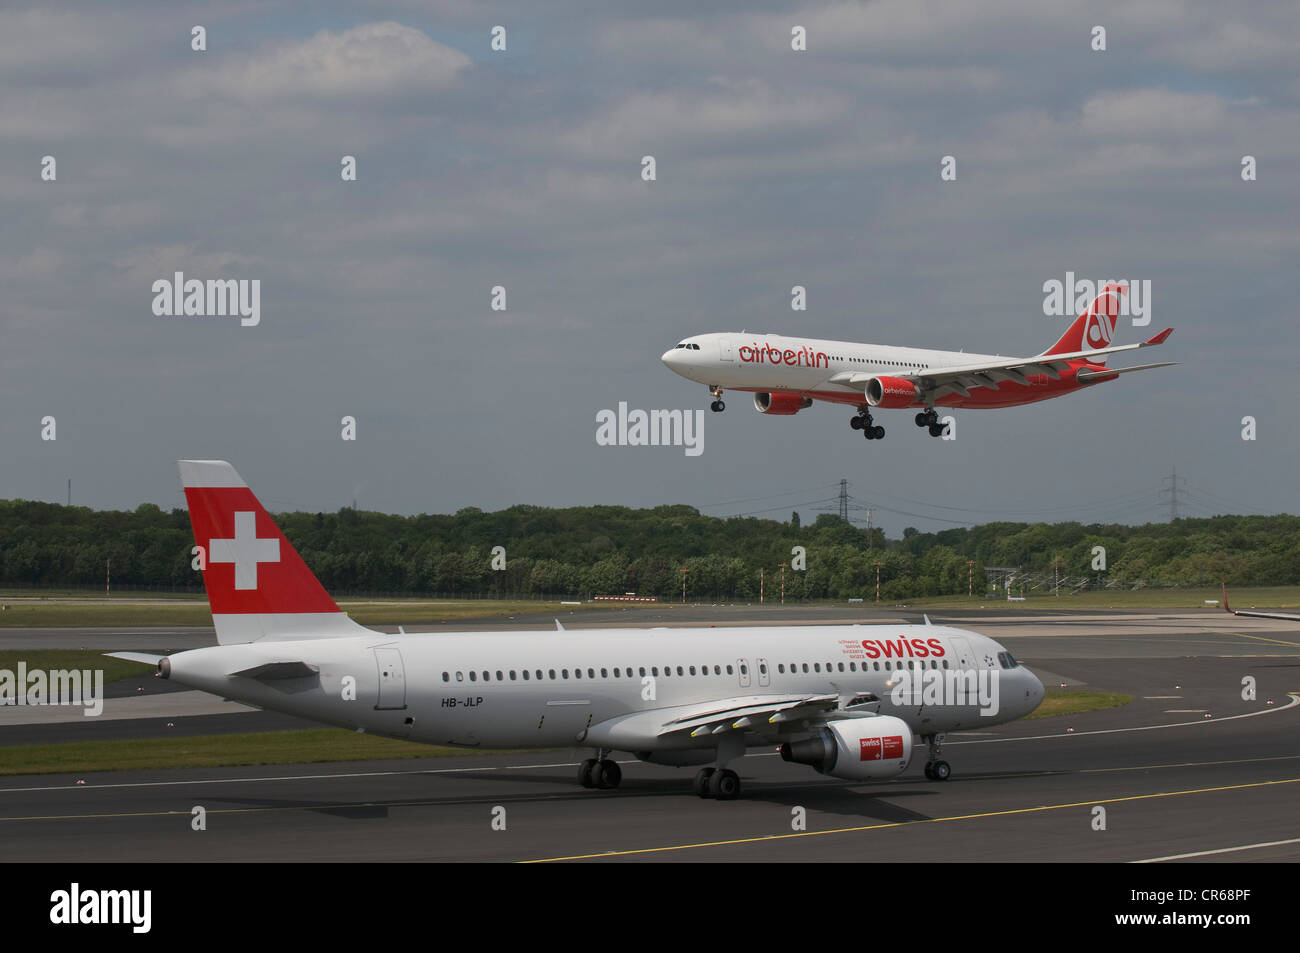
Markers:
point(929, 418)
point(717, 406)
point(863, 422)
point(722, 784)
point(599, 773)
point(700, 786)
point(936, 769)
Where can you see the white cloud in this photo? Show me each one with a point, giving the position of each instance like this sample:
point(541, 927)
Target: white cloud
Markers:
point(371, 60)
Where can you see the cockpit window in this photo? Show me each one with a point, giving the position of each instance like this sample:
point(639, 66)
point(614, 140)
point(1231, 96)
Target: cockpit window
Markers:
point(695, 347)
point(1007, 661)
point(681, 345)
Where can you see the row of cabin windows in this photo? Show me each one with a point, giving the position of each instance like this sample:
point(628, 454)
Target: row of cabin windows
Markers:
point(863, 360)
point(668, 670)
point(563, 673)
point(853, 666)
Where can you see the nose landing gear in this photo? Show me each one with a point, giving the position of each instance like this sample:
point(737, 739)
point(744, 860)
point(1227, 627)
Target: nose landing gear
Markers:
point(935, 768)
point(717, 406)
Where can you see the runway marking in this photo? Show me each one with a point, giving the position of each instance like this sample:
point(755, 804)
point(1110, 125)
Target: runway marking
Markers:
point(1185, 711)
point(928, 820)
point(497, 798)
point(1221, 850)
point(291, 777)
point(1260, 638)
point(1295, 700)
point(1154, 698)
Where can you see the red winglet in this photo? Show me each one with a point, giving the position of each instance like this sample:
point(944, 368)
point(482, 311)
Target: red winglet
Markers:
point(1161, 337)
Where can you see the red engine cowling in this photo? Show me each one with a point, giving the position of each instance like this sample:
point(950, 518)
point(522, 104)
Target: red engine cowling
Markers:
point(856, 749)
point(784, 404)
point(892, 392)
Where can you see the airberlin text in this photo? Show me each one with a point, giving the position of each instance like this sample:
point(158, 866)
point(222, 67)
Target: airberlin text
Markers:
point(767, 354)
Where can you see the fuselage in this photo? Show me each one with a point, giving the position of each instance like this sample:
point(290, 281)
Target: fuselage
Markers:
point(544, 689)
point(774, 363)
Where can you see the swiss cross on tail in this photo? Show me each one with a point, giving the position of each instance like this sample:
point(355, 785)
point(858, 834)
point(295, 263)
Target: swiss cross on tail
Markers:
point(245, 550)
point(251, 567)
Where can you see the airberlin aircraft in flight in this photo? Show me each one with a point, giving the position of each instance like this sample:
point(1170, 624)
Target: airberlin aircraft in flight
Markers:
point(851, 702)
point(787, 374)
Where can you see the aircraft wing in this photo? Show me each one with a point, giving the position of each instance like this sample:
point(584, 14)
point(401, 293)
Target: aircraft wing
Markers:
point(761, 714)
point(942, 381)
point(1285, 616)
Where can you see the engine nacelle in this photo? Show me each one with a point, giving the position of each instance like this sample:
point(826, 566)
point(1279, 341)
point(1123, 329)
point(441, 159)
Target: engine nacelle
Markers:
point(856, 749)
point(892, 392)
point(784, 404)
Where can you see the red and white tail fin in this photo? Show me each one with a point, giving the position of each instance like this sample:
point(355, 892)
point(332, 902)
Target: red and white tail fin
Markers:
point(258, 586)
point(1096, 326)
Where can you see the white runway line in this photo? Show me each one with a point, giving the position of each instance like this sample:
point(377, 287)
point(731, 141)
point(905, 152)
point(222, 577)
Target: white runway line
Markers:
point(1221, 850)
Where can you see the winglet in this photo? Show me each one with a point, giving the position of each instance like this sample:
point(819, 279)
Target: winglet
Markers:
point(1160, 338)
point(926, 618)
point(558, 627)
point(1224, 585)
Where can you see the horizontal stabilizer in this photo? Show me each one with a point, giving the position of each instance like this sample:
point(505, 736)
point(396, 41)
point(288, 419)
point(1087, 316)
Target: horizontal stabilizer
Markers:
point(143, 658)
point(1087, 374)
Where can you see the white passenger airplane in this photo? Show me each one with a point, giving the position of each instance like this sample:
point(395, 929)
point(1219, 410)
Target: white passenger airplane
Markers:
point(827, 695)
point(787, 374)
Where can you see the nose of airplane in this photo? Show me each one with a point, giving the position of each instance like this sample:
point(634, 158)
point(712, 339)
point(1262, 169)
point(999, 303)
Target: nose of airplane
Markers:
point(671, 356)
point(1035, 690)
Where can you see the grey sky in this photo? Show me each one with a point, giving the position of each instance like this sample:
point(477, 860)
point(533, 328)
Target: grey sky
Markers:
point(521, 168)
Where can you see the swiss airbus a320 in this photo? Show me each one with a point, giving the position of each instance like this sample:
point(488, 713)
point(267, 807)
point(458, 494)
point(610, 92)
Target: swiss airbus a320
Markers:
point(850, 702)
point(787, 374)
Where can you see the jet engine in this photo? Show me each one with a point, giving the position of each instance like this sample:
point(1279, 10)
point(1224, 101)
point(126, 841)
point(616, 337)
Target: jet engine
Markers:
point(783, 404)
point(892, 392)
point(856, 749)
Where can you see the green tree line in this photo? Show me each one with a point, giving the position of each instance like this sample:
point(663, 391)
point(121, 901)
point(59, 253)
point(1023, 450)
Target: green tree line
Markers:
point(609, 550)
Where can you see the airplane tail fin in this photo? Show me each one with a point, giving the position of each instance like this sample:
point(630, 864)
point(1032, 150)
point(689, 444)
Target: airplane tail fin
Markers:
point(1096, 326)
point(258, 586)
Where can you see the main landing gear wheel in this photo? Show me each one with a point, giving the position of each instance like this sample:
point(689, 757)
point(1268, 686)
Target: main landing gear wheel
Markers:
point(864, 423)
point(700, 786)
point(602, 773)
point(724, 785)
point(606, 774)
point(930, 418)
